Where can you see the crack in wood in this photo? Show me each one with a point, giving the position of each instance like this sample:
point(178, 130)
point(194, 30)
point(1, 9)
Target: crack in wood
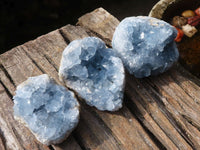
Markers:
point(7, 75)
point(93, 33)
point(151, 114)
point(191, 122)
point(18, 137)
point(51, 62)
point(187, 74)
point(6, 90)
point(102, 123)
point(3, 139)
point(33, 61)
point(139, 116)
point(64, 37)
point(78, 140)
point(51, 147)
point(184, 89)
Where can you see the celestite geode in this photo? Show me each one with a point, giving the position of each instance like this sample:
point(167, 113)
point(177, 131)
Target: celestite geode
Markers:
point(49, 110)
point(145, 45)
point(94, 72)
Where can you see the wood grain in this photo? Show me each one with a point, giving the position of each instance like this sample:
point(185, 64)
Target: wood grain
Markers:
point(161, 112)
point(100, 22)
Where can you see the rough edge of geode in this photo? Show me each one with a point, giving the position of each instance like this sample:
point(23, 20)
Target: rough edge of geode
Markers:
point(21, 120)
point(169, 42)
point(80, 98)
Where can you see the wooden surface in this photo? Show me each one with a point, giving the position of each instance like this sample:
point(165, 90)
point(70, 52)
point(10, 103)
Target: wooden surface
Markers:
point(161, 112)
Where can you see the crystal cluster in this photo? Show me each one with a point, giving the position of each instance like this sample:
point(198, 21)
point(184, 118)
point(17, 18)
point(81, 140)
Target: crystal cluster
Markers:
point(145, 45)
point(49, 110)
point(94, 72)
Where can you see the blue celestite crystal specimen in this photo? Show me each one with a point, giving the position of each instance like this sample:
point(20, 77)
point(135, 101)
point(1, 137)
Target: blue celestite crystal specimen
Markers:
point(145, 45)
point(49, 110)
point(94, 72)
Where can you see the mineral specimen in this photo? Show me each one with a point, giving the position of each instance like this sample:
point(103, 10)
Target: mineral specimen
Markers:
point(49, 110)
point(189, 30)
point(188, 13)
point(94, 72)
point(179, 21)
point(145, 45)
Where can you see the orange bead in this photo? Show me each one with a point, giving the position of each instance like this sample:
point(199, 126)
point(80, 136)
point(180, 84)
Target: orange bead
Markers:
point(180, 35)
point(197, 11)
point(188, 13)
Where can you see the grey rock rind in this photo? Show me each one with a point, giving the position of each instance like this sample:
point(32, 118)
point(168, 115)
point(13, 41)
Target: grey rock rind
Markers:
point(94, 72)
point(49, 110)
point(159, 8)
point(145, 45)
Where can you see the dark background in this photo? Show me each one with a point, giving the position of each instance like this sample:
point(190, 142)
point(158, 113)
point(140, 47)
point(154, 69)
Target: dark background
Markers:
point(24, 20)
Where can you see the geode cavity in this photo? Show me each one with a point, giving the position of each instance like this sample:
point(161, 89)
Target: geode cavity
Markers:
point(145, 45)
point(49, 110)
point(94, 72)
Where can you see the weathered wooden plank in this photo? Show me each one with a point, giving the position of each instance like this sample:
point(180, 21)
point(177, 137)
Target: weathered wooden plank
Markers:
point(180, 93)
point(14, 62)
point(186, 106)
point(169, 107)
point(15, 136)
point(99, 137)
point(127, 129)
point(177, 108)
point(40, 60)
point(101, 22)
point(71, 33)
point(149, 104)
point(51, 46)
point(191, 85)
point(148, 121)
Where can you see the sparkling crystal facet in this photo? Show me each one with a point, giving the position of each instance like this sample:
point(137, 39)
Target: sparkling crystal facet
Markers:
point(94, 72)
point(145, 45)
point(49, 110)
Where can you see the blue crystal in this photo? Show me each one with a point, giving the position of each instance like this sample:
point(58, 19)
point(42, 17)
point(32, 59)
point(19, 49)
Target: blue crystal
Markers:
point(145, 45)
point(49, 110)
point(94, 72)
